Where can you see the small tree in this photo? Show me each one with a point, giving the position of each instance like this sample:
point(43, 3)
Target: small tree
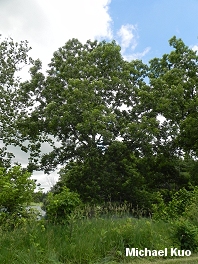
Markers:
point(60, 206)
point(16, 190)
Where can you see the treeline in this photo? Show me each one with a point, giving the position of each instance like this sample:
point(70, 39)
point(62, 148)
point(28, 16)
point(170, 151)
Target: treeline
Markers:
point(122, 131)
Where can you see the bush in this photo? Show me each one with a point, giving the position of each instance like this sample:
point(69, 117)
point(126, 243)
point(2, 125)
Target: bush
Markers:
point(16, 190)
point(185, 234)
point(60, 206)
point(18, 218)
point(177, 207)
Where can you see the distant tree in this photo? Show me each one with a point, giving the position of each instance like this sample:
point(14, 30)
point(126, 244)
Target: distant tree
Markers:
point(115, 178)
point(39, 196)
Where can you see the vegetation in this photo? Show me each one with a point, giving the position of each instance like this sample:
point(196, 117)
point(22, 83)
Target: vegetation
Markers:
point(125, 136)
point(16, 190)
point(92, 240)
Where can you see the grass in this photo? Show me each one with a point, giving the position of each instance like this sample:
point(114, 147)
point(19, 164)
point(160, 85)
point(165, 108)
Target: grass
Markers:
point(89, 239)
point(96, 241)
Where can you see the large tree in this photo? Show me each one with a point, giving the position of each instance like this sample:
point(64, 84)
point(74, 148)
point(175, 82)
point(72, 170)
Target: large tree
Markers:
point(80, 103)
point(173, 87)
point(121, 129)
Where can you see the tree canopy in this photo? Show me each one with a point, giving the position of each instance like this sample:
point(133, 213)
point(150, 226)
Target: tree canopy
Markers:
point(80, 101)
point(119, 129)
point(13, 57)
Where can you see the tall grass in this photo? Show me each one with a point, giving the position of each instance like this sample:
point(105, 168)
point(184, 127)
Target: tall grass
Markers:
point(93, 234)
point(97, 240)
point(111, 210)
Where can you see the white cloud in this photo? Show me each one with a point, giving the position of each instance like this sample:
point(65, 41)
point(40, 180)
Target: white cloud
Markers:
point(128, 36)
point(195, 48)
point(128, 40)
point(48, 24)
point(46, 181)
point(137, 55)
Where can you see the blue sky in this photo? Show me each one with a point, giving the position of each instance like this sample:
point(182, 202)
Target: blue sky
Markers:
point(141, 27)
point(156, 21)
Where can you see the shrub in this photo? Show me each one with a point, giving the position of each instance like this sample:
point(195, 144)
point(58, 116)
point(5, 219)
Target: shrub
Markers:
point(185, 234)
point(60, 206)
point(16, 190)
point(177, 207)
point(191, 211)
point(18, 218)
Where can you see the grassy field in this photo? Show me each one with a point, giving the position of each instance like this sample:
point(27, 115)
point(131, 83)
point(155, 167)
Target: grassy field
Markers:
point(94, 241)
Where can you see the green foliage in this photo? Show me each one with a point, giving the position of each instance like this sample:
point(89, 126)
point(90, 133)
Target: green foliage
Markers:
point(165, 173)
point(79, 101)
point(185, 234)
point(16, 188)
point(16, 191)
point(18, 218)
point(39, 196)
point(104, 112)
point(93, 241)
point(182, 212)
point(173, 79)
point(59, 206)
point(184, 203)
point(13, 57)
point(180, 202)
point(175, 208)
point(112, 177)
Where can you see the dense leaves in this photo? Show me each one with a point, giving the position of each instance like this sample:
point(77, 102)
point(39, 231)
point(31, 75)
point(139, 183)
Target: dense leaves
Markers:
point(13, 57)
point(174, 82)
point(16, 191)
point(59, 207)
point(122, 131)
point(80, 102)
point(16, 188)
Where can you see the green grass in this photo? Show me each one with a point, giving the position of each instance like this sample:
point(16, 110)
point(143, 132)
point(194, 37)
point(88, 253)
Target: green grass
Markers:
point(93, 241)
point(88, 241)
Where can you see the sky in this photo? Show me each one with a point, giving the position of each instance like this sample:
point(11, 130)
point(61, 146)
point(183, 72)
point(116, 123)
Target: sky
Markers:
point(141, 27)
